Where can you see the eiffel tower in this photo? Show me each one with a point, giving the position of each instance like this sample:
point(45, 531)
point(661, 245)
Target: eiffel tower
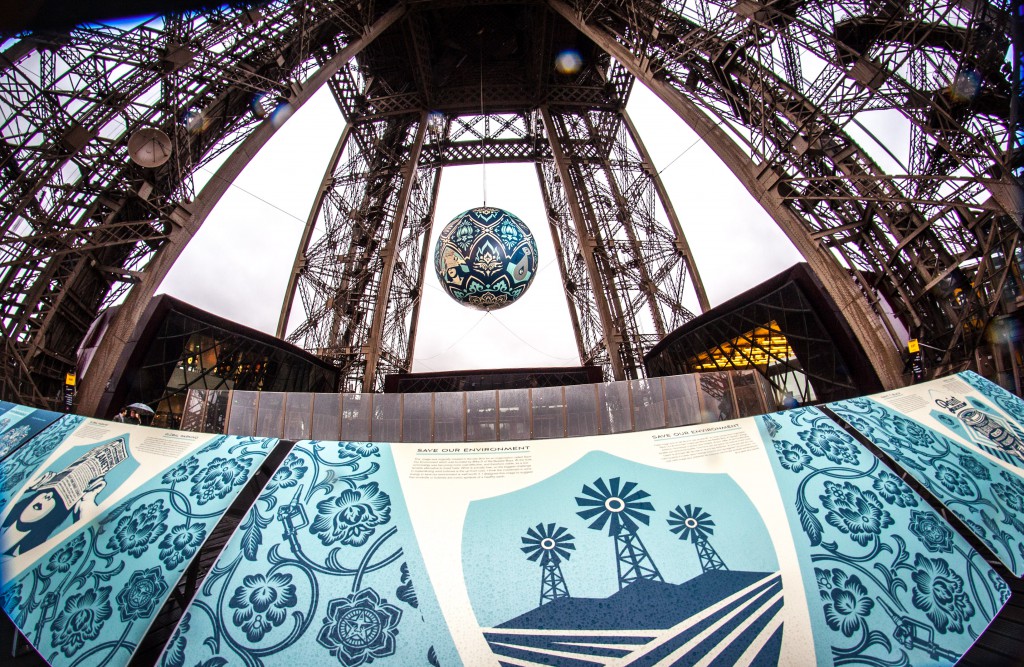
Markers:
point(777, 89)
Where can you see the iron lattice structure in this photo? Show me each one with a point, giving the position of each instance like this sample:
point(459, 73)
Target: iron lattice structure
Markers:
point(779, 89)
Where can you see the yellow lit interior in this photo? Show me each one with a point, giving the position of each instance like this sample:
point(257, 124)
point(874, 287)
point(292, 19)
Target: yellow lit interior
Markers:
point(762, 346)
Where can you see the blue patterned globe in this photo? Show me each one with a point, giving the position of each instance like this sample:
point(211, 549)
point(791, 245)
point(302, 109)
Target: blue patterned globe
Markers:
point(485, 258)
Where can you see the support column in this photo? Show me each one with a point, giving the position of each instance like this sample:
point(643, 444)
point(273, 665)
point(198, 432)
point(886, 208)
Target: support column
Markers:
point(389, 255)
point(585, 238)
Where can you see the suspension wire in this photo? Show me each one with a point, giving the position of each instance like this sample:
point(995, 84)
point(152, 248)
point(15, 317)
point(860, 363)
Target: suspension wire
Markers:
point(232, 184)
point(487, 122)
point(528, 344)
point(686, 150)
point(458, 340)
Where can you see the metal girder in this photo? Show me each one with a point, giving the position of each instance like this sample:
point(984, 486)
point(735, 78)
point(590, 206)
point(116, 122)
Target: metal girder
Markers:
point(76, 215)
point(636, 258)
point(358, 283)
point(780, 90)
point(189, 216)
point(909, 239)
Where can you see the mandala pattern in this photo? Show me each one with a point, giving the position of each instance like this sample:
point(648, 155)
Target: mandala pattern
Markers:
point(485, 258)
point(359, 628)
point(891, 574)
point(126, 559)
point(140, 596)
point(306, 576)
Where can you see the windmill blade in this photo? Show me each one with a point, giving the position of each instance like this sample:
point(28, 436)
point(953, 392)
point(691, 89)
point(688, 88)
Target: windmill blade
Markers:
point(626, 488)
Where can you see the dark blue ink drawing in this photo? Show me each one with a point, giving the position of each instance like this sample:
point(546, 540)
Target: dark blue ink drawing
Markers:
point(987, 497)
point(639, 598)
point(25, 461)
point(895, 585)
point(19, 423)
point(90, 599)
point(324, 569)
point(999, 432)
point(56, 498)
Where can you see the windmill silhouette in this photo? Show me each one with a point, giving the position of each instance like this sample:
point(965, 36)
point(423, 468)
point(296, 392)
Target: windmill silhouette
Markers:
point(550, 544)
point(694, 524)
point(620, 509)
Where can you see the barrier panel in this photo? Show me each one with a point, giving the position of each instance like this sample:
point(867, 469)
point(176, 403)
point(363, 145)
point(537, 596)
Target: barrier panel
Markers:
point(482, 416)
point(98, 521)
point(775, 539)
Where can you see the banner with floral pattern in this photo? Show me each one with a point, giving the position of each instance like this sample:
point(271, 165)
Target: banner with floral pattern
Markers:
point(19, 423)
point(98, 521)
point(895, 585)
point(324, 569)
point(771, 539)
point(976, 485)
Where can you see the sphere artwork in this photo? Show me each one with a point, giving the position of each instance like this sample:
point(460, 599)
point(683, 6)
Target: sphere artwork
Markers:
point(485, 258)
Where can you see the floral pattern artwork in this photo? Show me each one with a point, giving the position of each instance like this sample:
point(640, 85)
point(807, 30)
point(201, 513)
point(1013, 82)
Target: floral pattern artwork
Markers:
point(324, 569)
point(987, 497)
point(96, 594)
point(890, 583)
point(19, 423)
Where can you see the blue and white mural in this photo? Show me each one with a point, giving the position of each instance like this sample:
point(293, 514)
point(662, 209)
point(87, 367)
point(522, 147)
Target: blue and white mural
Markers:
point(777, 539)
point(19, 423)
point(970, 478)
point(633, 564)
point(96, 531)
point(891, 583)
point(324, 569)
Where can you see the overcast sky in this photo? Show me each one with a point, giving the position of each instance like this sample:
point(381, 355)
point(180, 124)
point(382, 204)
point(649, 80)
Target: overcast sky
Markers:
point(237, 265)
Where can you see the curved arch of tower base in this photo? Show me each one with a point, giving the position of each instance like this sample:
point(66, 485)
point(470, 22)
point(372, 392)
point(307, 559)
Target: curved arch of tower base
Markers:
point(926, 249)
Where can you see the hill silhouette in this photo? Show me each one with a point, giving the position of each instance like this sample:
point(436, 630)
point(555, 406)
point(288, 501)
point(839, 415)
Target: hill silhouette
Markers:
point(644, 604)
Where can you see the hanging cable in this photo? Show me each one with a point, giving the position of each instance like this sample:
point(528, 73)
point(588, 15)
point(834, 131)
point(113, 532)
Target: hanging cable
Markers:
point(487, 120)
point(528, 344)
point(459, 340)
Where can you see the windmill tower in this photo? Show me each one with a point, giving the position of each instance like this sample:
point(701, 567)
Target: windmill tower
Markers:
point(549, 544)
point(620, 509)
point(694, 524)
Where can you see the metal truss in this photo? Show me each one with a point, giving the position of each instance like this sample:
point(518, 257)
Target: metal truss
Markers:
point(624, 266)
point(359, 283)
point(80, 222)
point(779, 89)
point(784, 85)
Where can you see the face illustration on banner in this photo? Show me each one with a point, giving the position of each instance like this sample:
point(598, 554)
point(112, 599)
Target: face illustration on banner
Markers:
point(59, 495)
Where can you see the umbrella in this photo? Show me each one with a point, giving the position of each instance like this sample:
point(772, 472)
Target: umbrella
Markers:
point(141, 407)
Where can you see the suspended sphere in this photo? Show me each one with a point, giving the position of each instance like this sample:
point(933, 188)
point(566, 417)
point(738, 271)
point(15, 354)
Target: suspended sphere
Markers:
point(485, 258)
